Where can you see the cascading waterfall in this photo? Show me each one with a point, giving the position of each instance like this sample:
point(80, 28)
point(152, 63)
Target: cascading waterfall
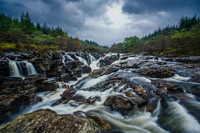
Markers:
point(81, 59)
point(142, 121)
point(30, 68)
point(14, 70)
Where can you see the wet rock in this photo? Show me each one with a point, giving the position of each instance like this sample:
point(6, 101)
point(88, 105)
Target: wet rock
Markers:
point(67, 77)
point(12, 104)
point(157, 72)
point(77, 72)
point(80, 114)
point(108, 60)
point(86, 69)
point(56, 72)
point(152, 104)
point(192, 59)
point(103, 71)
point(165, 86)
point(141, 92)
point(48, 121)
point(101, 122)
point(4, 68)
point(69, 93)
point(137, 100)
point(45, 86)
point(41, 64)
point(118, 103)
point(194, 90)
point(92, 100)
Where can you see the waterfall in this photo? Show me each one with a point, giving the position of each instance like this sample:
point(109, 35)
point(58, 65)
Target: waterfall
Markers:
point(16, 68)
point(14, 71)
point(94, 62)
point(81, 59)
point(30, 68)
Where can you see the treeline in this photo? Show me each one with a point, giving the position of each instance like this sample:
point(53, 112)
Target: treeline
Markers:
point(23, 35)
point(181, 39)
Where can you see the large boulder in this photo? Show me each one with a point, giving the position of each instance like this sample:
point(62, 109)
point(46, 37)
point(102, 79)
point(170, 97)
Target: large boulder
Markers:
point(108, 60)
point(13, 104)
point(103, 71)
point(4, 68)
point(48, 121)
point(157, 72)
point(118, 103)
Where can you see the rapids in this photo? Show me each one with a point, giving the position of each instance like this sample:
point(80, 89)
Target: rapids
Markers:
point(174, 116)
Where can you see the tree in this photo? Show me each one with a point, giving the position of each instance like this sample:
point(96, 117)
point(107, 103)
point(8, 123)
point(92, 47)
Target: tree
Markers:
point(38, 27)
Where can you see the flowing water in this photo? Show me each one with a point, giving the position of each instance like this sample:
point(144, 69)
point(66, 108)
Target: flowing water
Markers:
point(16, 68)
point(175, 117)
point(30, 68)
point(14, 71)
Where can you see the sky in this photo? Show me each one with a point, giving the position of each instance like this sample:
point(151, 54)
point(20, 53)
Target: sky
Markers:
point(104, 21)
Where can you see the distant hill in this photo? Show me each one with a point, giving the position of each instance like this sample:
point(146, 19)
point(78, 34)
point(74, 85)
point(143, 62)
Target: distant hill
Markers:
point(181, 39)
point(23, 35)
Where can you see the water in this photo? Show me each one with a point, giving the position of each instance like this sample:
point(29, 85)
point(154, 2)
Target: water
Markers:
point(16, 69)
point(174, 117)
point(177, 119)
point(30, 68)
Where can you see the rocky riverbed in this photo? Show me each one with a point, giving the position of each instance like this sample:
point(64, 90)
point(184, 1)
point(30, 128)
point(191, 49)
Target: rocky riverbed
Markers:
point(92, 92)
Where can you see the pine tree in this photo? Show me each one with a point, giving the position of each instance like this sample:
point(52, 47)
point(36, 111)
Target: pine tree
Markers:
point(38, 27)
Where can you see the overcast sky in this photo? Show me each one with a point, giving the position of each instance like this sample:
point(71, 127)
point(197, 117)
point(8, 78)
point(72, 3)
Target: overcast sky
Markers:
point(104, 21)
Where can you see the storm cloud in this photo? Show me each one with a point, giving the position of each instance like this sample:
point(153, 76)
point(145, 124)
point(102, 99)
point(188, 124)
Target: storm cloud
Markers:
point(104, 21)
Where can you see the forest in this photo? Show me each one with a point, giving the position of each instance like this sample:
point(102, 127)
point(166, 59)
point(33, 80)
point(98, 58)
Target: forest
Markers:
point(178, 40)
point(23, 35)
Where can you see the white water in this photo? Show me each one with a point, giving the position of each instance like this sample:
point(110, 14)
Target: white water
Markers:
point(94, 63)
point(30, 68)
point(14, 69)
point(177, 78)
point(81, 59)
point(180, 119)
point(93, 81)
point(141, 122)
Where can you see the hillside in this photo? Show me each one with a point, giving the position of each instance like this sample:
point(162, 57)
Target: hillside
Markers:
point(181, 39)
point(23, 35)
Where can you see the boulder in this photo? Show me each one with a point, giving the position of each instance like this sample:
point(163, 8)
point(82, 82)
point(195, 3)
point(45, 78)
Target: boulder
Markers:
point(48, 121)
point(86, 69)
point(118, 103)
point(157, 72)
point(4, 68)
point(13, 104)
point(108, 60)
point(165, 86)
point(195, 89)
point(103, 71)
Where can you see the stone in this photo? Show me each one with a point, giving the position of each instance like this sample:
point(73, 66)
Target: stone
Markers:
point(165, 86)
point(12, 104)
point(86, 69)
point(101, 122)
point(108, 60)
point(103, 71)
point(157, 72)
point(46, 120)
point(118, 103)
point(4, 68)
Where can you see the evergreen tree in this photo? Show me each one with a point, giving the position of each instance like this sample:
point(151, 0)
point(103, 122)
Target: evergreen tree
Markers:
point(38, 27)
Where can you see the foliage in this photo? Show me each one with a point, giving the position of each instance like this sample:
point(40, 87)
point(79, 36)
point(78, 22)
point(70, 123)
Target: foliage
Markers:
point(23, 35)
point(182, 39)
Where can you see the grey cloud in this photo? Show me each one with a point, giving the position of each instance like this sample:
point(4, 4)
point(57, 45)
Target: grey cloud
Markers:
point(11, 8)
point(87, 19)
point(152, 6)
